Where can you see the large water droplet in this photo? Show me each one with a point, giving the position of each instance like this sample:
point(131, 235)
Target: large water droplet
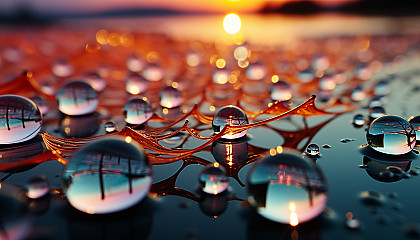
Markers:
point(232, 116)
point(20, 119)
point(96, 81)
point(256, 71)
point(37, 187)
point(286, 188)
point(61, 68)
point(213, 179)
point(281, 91)
point(77, 98)
point(312, 149)
point(107, 175)
point(415, 122)
point(137, 111)
point(135, 84)
point(391, 134)
point(170, 97)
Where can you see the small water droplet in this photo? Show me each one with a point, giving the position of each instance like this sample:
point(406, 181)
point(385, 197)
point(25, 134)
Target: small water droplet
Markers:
point(107, 175)
point(256, 71)
point(137, 111)
point(326, 146)
point(213, 179)
point(326, 83)
point(232, 116)
point(281, 91)
point(391, 135)
point(170, 97)
point(37, 187)
point(96, 81)
point(312, 149)
point(306, 76)
point(110, 127)
point(347, 140)
point(358, 120)
point(77, 98)
point(153, 72)
point(20, 117)
point(358, 94)
point(381, 88)
point(135, 84)
point(279, 187)
point(134, 63)
point(377, 101)
point(61, 68)
point(372, 198)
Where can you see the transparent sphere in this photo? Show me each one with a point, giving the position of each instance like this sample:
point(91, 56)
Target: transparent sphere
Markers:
point(306, 75)
point(41, 103)
point(37, 187)
point(20, 119)
point(312, 149)
point(391, 134)
point(256, 71)
point(376, 112)
point(415, 122)
point(358, 120)
point(170, 97)
point(61, 68)
point(358, 94)
point(287, 188)
point(110, 127)
point(326, 83)
point(153, 72)
point(77, 98)
point(232, 116)
point(213, 179)
point(220, 75)
point(137, 111)
point(134, 63)
point(281, 91)
point(135, 84)
point(96, 81)
point(108, 175)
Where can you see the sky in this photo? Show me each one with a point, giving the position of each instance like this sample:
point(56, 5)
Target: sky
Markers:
point(47, 6)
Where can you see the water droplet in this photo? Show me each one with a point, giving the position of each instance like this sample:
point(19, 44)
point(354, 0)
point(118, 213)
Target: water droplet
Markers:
point(96, 81)
point(346, 140)
point(20, 119)
point(376, 112)
point(153, 72)
point(41, 103)
point(107, 175)
point(230, 154)
point(377, 101)
point(306, 76)
point(232, 116)
point(170, 97)
point(137, 111)
point(281, 91)
point(326, 83)
point(134, 63)
point(213, 179)
point(312, 149)
point(220, 75)
point(391, 135)
point(381, 88)
point(110, 127)
point(61, 68)
point(326, 146)
point(77, 98)
point(372, 198)
point(358, 120)
point(135, 84)
point(256, 71)
point(37, 187)
point(415, 122)
point(357, 94)
point(286, 188)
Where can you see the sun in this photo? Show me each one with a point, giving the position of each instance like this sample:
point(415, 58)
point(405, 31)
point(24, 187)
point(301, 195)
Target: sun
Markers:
point(232, 23)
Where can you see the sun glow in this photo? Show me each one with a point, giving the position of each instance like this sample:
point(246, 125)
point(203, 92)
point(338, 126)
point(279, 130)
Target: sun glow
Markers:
point(232, 23)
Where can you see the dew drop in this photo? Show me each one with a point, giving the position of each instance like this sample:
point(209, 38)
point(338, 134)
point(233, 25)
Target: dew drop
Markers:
point(281, 91)
point(96, 81)
point(61, 68)
point(135, 84)
point(312, 149)
point(372, 198)
point(170, 97)
point(232, 116)
point(137, 111)
point(77, 98)
point(415, 122)
point(37, 187)
point(20, 119)
point(213, 179)
point(279, 187)
point(358, 120)
point(391, 134)
point(107, 175)
point(134, 63)
point(376, 112)
point(256, 71)
point(110, 127)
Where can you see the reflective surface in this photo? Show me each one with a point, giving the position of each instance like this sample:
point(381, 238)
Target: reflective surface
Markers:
point(232, 116)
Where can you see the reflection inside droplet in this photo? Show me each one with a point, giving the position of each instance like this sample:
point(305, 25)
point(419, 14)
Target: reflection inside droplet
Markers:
point(286, 188)
point(137, 111)
point(20, 119)
point(391, 134)
point(229, 115)
point(77, 98)
point(312, 149)
point(107, 175)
